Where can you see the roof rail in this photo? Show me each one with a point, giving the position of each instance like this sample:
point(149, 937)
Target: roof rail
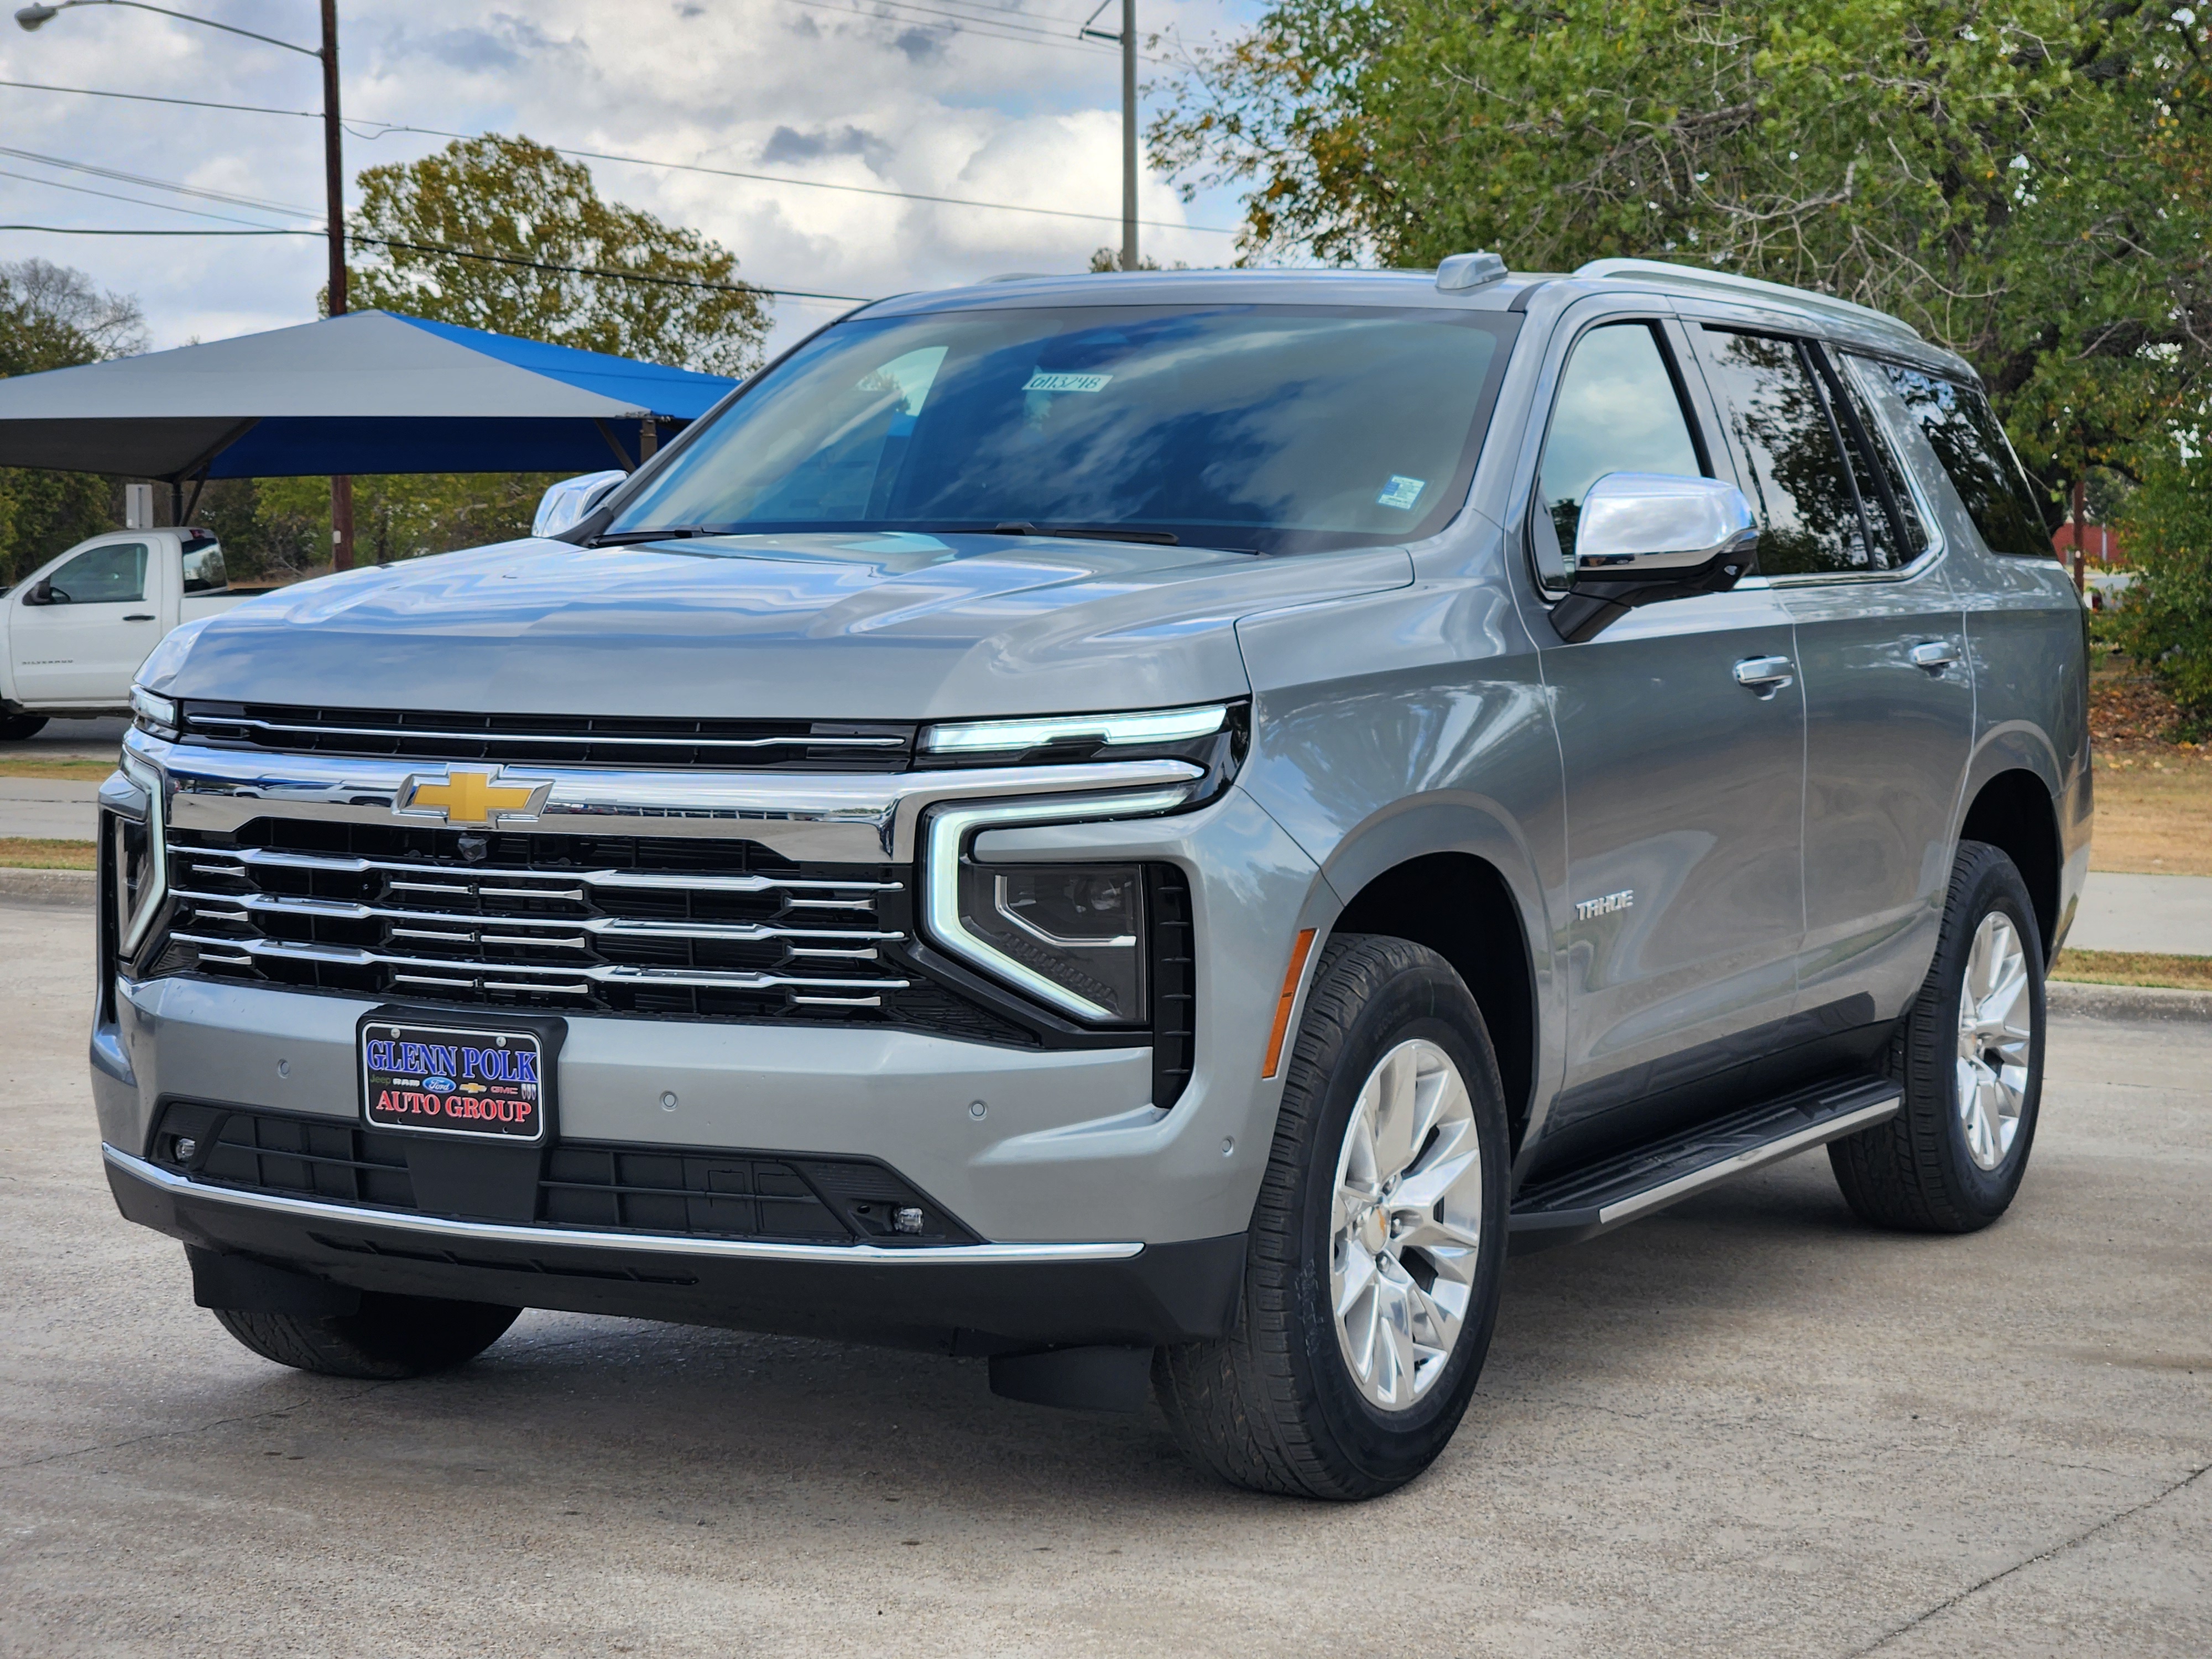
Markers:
point(1662, 270)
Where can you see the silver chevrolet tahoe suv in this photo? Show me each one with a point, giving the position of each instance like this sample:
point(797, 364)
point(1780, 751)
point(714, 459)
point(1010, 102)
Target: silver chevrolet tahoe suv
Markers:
point(1150, 828)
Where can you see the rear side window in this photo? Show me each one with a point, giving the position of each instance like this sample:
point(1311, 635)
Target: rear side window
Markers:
point(1963, 431)
point(113, 574)
point(1900, 537)
point(203, 571)
point(1617, 411)
point(1808, 506)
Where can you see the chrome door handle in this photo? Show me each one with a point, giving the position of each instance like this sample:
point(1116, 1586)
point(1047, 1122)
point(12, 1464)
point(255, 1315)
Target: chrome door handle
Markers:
point(140, 615)
point(1934, 655)
point(1766, 675)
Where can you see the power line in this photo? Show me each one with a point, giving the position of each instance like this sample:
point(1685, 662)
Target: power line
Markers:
point(121, 178)
point(109, 195)
point(389, 127)
point(456, 253)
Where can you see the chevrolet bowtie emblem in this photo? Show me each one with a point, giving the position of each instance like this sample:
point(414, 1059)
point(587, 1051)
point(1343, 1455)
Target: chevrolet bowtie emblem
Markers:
point(470, 797)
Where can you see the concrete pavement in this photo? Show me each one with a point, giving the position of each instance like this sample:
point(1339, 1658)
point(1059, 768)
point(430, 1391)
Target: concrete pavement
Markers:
point(2171, 915)
point(58, 809)
point(1747, 1427)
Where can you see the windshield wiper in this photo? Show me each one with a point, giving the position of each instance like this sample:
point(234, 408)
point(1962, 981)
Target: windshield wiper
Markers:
point(1097, 532)
point(669, 533)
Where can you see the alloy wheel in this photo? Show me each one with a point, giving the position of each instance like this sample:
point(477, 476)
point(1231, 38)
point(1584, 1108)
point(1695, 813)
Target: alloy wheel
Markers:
point(1406, 1224)
point(1996, 1026)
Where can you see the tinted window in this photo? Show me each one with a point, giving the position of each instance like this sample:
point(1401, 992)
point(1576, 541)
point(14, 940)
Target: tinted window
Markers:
point(1617, 411)
point(1262, 427)
point(1963, 431)
point(114, 575)
point(203, 571)
point(1809, 513)
point(1900, 537)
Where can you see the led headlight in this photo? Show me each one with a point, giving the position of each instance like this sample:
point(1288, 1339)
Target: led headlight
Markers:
point(156, 713)
point(135, 856)
point(1071, 935)
point(1157, 727)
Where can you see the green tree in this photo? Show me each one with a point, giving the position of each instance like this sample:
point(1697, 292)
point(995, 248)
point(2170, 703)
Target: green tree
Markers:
point(2166, 623)
point(520, 201)
point(52, 316)
point(1992, 170)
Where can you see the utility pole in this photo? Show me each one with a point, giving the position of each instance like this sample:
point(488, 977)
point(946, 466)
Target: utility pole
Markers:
point(1128, 41)
point(334, 184)
point(1128, 135)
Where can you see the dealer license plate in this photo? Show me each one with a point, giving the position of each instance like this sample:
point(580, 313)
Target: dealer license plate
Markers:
point(452, 1080)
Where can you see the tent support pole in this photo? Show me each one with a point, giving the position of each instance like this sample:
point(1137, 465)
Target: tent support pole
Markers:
point(192, 501)
point(614, 443)
point(176, 502)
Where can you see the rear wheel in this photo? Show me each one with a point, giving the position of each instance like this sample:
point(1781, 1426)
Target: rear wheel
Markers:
point(13, 728)
point(1372, 1276)
point(388, 1337)
point(1969, 1051)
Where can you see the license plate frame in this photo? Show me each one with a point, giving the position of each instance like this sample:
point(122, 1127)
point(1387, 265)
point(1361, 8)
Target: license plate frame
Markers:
point(488, 1081)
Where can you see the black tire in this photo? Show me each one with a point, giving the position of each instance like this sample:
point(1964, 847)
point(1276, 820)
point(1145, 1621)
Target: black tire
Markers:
point(1915, 1171)
point(1273, 1406)
point(13, 728)
point(389, 1338)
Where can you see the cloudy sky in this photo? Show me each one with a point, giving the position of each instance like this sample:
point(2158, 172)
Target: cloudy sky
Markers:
point(995, 100)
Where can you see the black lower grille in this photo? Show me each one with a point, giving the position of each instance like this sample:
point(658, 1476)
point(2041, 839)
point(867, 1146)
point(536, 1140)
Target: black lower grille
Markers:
point(1175, 982)
point(677, 1192)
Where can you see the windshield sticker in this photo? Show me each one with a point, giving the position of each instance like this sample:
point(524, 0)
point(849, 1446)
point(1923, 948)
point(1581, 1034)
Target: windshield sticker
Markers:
point(1043, 380)
point(1401, 493)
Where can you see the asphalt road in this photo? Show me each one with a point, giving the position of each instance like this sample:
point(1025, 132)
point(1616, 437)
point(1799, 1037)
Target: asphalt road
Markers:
point(1747, 1426)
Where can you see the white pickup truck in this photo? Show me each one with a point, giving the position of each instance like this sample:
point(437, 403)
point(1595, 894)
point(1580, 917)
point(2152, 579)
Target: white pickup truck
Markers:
point(75, 630)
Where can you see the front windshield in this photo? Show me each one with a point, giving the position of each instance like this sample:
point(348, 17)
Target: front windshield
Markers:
point(1270, 429)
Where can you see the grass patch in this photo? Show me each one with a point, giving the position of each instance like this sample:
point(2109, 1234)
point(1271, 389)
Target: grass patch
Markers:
point(26, 853)
point(2135, 968)
point(2154, 812)
point(83, 768)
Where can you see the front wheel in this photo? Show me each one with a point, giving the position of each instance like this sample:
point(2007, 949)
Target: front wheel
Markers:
point(13, 728)
point(1372, 1276)
point(1969, 1053)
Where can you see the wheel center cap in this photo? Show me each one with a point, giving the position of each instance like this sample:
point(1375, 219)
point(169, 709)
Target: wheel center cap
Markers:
point(1374, 1229)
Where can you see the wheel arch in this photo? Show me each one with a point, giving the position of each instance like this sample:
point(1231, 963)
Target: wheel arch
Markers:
point(2014, 808)
point(1440, 877)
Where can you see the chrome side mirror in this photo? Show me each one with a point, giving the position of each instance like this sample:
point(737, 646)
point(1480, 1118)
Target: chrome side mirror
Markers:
point(1641, 538)
point(568, 503)
point(1652, 523)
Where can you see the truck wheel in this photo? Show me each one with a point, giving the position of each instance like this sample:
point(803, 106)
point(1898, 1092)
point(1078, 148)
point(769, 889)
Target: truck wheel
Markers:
point(389, 1337)
point(13, 728)
point(1371, 1277)
point(1969, 1051)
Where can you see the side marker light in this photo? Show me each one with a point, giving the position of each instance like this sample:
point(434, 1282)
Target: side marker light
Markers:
point(1283, 1003)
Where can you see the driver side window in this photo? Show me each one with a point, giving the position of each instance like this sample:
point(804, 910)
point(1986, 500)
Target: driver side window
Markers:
point(1617, 410)
point(113, 574)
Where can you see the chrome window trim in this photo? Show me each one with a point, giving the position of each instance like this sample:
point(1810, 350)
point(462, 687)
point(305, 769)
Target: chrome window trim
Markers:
point(179, 1188)
point(809, 817)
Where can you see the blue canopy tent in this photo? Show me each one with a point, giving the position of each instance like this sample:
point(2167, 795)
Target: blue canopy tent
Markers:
point(371, 391)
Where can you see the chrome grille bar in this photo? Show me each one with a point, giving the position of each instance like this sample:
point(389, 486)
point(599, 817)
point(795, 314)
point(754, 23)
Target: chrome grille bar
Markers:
point(352, 955)
point(637, 880)
point(616, 926)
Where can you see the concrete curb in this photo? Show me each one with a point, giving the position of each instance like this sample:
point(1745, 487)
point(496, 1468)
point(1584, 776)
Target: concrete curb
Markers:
point(47, 886)
point(2067, 996)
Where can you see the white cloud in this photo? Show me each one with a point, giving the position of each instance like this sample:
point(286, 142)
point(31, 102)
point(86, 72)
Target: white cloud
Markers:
point(863, 95)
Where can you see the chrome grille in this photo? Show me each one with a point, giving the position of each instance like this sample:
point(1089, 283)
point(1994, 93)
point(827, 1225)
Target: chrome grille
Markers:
point(621, 924)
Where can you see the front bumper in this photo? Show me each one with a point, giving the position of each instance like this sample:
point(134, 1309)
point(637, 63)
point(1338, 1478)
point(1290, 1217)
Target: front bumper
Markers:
point(973, 1298)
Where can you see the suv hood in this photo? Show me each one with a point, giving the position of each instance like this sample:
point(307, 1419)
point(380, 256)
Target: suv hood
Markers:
point(822, 627)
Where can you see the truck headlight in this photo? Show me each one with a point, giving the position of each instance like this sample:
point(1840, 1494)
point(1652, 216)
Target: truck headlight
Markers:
point(136, 858)
point(1071, 935)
